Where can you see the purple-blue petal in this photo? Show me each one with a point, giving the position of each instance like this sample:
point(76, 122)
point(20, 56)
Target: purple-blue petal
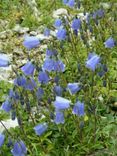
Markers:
point(40, 129)
point(31, 42)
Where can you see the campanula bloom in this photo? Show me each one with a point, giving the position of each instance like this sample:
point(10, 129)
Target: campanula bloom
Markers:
point(50, 53)
point(31, 42)
point(109, 43)
point(40, 129)
point(47, 32)
point(59, 66)
point(48, 64)
point(28, 68)
point(43, 77)
point(4, 60)
point(7, 106)
point(78, 109)
point(2, 137)
point(13, 94)
point(58, 90)
point(61, 34)
point(73, 87)
point(59, 117)
point(20, 81)
point(71, 3)
point(65, 1)
point(93, 61)
point(40, 93)
point(76, 23)
point(19, 149)
point(61, 103)
point(58, 23)
point(30, 84)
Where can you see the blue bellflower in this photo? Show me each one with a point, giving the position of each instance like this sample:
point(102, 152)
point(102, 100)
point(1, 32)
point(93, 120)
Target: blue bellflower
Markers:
point(30, 84)
point(28, 68)
point(76, 23)
point(7, 106)
point(65, 1)
point(2, 137)
point(4, 61)
point(59, 117)
point(61, 103)
point(50, 53)
point(71, 3)
point(48, 65)
point(19, 149)
point(61, 34)
point(78, 109)
point(43, 77)
point(59, 66)
point(57, 23)
point(93, 61)
point(73, 88)
point(47, 32)
point(31, 42)
point(20, 81)
point(40, 93)
point(110, 43)
point(58, 90)
point(40, 129)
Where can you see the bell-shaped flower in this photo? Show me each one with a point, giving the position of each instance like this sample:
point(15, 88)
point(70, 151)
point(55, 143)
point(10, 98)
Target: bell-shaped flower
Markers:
point(20, 81)
point(2, 137)
point(78, 109)
point(50, 53)
point(47, 32)
point(76, 23)
point(61, 103)
point(65, 1)
point(19, 149)
point(7, 106)
point(59, 117)
point(59, 66)
point(73, 88)
point(71, 3)
point(58, 23)
point(93, 61)
point(41, 128)
point(31, 42)
point(109, 43)
point(43, 77)
point(4, 60)
point(58, 90)
point(61, 34)
point(13, 94)
point(28, 68)
point(30, 84)
point(48, 65)
point(40, 93)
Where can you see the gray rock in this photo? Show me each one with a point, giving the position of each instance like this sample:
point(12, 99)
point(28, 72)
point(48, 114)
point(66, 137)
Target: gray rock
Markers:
point(20, 30)
point(33, 33)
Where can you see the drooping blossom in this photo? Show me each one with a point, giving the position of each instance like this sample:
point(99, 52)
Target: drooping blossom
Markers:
point(109, 43)
point(61, 103)
point(28, 68)
point(40, 129)
point(78, 109)
point(59, 117)
point(73, 87)
point(31, 42)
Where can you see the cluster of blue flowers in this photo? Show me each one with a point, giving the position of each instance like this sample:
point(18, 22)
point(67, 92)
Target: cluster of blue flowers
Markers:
point(52, 63)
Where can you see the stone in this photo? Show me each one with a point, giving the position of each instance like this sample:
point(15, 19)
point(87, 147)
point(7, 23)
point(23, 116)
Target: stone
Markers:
point(33, 33)
point(20, 30)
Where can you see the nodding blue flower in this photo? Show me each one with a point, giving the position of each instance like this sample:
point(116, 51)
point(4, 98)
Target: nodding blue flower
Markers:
point(78, 109)
point(73, 88)
point(65, 1)
point(59, 117)
point(100, 13)
point(58, 90)
point(28, 68)
point(40, 93)
point(48, 65)
point(109, 43)
point(104, 83)
point(41, 128)
point(103, 70)
point(93, 61)
point(50, 53)
point(20, 81)
point(61, 34)
point(59, 66)
point(13, 115)
point(4, 60)
point(61, 103)
point(13, 94)
point(2, 137)
point(47, 32)
point(56, 79)
point(19, 149)
point(76, 23)
point(7, 106)
point(31, 42)
point(58, 23)
point(30, 84)
point(43, 77)
point(71, 3)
